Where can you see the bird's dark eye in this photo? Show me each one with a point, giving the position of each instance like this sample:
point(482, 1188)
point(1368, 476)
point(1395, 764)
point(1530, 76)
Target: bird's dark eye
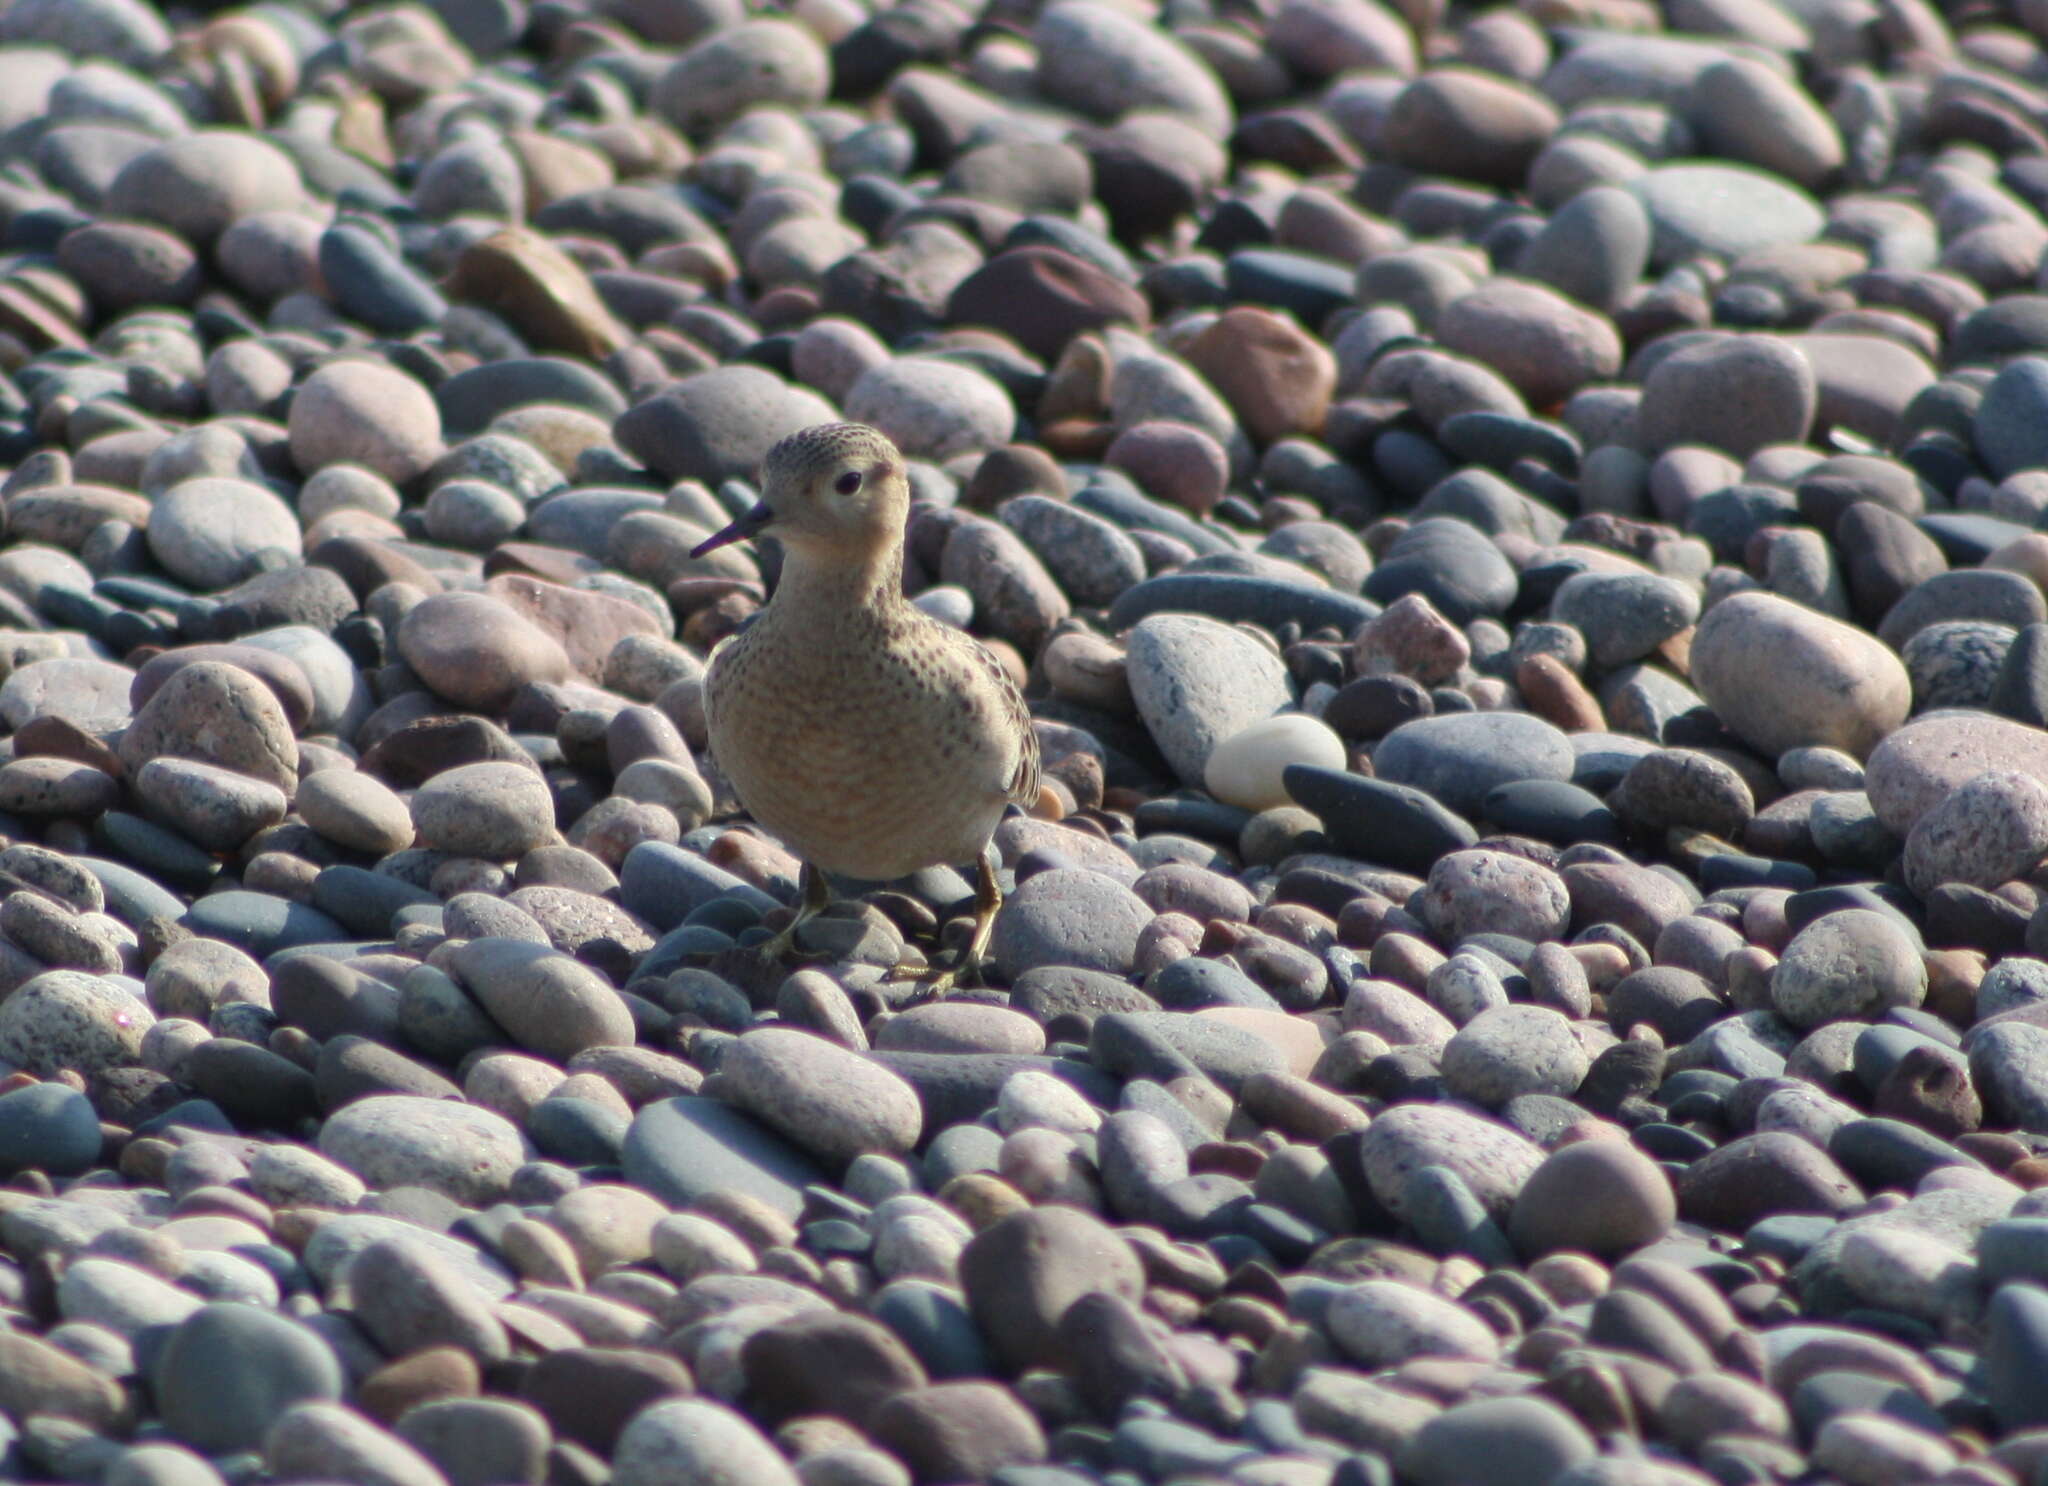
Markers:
point(847, 483)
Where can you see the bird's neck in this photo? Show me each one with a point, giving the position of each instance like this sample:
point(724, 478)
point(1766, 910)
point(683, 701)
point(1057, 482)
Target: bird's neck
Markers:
point(842, 579)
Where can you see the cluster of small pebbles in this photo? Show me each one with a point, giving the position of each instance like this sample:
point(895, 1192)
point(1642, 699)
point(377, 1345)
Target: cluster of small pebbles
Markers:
point(1518, 527)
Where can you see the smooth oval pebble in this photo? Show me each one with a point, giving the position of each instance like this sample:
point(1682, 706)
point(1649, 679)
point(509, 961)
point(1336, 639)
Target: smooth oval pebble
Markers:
point(1828, 685)
point(831, 1102)
point(1246, 768)
point(465, 1153)
point(1600, 1197)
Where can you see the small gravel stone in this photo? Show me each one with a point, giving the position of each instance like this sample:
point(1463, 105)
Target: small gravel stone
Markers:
point(932, 409)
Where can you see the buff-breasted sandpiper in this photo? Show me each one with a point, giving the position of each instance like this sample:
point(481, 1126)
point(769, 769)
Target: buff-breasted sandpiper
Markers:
point(871, 738)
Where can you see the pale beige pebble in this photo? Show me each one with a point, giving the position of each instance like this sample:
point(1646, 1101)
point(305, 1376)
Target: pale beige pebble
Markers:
point(1319, 38)
point(1867, 1448)
point(594, 1088)
point(270, 254)
point(1495, 1160)
point(607, 1224)
point(800, 252)
point(1737, 393)
point(735, 68)
point(1828, 683)
point(1395, 1013)
point(1340, 1403)
point(462, 1151)
point(200, 184)
point(353, 809)
point(1105, 62)
point(687, 1245)
point(539, 1254)
point(1604, 964)
point(368, 413)
point(1703, 1405)
point(497, 811)
point(510, 1084)
point(68, 1019)
point(1383, 1323)
point(1088, 668)
point(1049, 1167)
point(1908, 1272)
point(562, 434)
point(1168, 938)
point(933, 409)
point(215, 808)
point(2027, 555)
point(317, 1440)
point(218, 714)
point(1469, 124)
point(695, 1440)
point(1033, 1097)
point(1246, 769)
point(551, 1004)
point(1570, 1279)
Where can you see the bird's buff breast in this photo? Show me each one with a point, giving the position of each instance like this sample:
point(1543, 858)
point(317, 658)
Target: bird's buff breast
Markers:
point(866, 761)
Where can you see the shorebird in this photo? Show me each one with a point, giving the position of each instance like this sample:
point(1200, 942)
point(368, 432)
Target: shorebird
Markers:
point(871, 738)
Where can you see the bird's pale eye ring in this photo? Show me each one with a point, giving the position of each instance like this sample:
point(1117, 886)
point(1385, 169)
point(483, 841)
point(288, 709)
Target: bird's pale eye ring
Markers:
point(847, 483)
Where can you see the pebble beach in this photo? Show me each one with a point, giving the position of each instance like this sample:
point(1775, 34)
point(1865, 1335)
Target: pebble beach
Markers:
point(1523, 531)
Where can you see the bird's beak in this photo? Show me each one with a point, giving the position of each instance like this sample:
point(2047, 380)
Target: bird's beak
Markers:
point(750, 525)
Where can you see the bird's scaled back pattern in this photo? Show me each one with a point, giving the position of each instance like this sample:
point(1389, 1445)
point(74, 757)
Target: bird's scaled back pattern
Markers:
point(870, 737)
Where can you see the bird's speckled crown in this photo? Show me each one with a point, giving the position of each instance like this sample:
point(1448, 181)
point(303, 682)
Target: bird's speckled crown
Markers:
point(825, 446)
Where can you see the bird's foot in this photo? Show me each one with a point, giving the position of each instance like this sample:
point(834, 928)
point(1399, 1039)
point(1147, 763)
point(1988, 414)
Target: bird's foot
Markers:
point(934, 982)
point(781, 948)
point(775, 949)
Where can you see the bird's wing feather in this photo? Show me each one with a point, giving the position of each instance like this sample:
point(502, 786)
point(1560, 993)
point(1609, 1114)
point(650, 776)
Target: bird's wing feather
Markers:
point(1023, 787)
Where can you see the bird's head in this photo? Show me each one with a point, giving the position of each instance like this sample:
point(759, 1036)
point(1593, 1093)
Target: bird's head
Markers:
point(830, 490)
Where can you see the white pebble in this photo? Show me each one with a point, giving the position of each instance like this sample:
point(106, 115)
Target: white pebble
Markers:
point(1246, 768)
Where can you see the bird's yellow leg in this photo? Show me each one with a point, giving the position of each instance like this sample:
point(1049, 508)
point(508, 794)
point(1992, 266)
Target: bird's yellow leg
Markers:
point(966, 970)
point(816, 894)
